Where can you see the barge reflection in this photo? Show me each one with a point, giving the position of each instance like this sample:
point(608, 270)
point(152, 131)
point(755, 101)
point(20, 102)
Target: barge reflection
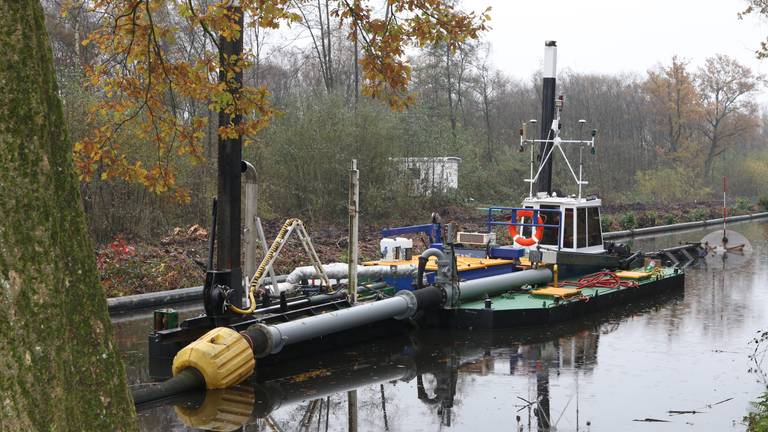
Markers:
point(315, 389)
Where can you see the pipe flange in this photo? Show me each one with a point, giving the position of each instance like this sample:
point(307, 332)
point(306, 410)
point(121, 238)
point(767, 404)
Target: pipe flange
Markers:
point(272, 340)
point(410, 369)
point(413, 304)
point(444, 296)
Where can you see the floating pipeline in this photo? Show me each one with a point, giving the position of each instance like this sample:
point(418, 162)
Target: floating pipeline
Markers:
point(223, 357)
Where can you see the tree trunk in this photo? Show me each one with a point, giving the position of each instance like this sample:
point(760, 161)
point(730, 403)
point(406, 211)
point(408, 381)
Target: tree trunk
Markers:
point(487, 116)
point(357, 60)
point(450, 91)
point(59, 367)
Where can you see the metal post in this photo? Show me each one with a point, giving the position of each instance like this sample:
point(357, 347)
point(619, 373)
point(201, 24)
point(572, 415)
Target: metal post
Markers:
point(581, 148)
point(542, 397)
point(384, 407)
point(581, 167)
point(725, 210)
point(530, 184)
point(249, 231)
point(354, 212)
point(229, 158)
point(547, 113)
point(352, 410)
point(253, 233)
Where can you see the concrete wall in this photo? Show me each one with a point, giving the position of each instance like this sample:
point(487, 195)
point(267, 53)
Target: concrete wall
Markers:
point(431, 174)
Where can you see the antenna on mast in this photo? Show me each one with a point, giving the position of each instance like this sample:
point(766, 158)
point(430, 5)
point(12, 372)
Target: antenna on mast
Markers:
point(557, 143)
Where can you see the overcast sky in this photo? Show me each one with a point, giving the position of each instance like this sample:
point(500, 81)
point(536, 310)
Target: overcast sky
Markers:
point(612, 36)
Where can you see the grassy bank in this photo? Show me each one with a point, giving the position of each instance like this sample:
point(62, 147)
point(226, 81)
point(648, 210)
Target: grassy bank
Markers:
point(757, 419)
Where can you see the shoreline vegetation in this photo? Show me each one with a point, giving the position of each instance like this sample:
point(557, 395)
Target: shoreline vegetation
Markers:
point(756, 419)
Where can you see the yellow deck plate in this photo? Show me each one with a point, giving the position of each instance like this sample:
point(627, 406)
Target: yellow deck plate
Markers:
point(463, 263)
point(556, 292)
point(633, 274)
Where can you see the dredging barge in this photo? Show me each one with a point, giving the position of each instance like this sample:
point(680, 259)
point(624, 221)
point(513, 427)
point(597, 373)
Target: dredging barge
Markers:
point(557, 267)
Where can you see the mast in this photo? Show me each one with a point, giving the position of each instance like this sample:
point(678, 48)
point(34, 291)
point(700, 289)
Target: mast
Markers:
point(229, 168)
point(544, 183)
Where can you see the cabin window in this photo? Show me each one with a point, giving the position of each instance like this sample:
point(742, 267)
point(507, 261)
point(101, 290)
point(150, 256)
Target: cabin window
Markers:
point(568, 229)
point(581, 227)
point(595, 230)
point(551, 235)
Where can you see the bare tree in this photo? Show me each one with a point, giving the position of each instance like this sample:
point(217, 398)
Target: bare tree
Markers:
point(724, 86)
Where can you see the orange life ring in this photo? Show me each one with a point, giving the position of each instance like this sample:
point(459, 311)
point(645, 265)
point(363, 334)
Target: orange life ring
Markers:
point(525, 241)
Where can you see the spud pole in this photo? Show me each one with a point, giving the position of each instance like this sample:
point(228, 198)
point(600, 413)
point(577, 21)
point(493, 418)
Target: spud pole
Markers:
point(229, 165)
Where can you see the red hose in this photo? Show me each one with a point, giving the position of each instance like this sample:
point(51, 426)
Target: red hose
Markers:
point(603, 279)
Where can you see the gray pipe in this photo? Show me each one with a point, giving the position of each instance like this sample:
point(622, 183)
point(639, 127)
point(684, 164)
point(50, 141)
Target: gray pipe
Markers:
point(443, 275)
point(497, 284)
point(341, 271)
point(433, 252)
point(401, 306)
point(680, 226)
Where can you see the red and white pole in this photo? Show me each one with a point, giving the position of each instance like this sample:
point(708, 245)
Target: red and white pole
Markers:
point(725, 209)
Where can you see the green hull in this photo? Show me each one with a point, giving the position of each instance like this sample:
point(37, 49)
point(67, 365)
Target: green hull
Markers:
point(524, 309)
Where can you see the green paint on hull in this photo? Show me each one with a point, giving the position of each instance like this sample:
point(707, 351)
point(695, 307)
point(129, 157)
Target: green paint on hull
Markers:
point(524, 300)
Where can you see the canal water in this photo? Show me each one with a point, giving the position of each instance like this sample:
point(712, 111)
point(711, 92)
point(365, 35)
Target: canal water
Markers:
point(623, 370)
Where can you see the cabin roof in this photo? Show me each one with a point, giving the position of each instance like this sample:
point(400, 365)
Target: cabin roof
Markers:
point(560, 201)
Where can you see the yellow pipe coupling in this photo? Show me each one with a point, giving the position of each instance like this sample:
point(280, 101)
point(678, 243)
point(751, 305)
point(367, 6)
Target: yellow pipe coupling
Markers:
point(222, 356)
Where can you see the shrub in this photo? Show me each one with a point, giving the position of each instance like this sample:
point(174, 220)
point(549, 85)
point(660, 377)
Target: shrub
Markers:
point(670, 219)
point(699, 214)
point(763, 202)
point(647, 219)
point(628, 221)
point(757, 420)
point(743, 204)
point(607, 222)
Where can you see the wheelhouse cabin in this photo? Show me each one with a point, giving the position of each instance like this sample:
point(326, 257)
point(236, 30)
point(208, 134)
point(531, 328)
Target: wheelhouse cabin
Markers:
point(578, 219)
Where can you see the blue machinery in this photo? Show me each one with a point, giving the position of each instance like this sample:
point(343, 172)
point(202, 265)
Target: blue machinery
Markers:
point(509, 252)
point(433, 230)
point(513, 252)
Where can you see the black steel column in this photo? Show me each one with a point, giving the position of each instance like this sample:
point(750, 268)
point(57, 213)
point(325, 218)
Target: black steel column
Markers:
point(229, 159)
point(543, 420)
point(544, 183)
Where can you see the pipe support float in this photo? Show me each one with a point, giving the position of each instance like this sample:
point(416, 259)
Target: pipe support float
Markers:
point(222, 356)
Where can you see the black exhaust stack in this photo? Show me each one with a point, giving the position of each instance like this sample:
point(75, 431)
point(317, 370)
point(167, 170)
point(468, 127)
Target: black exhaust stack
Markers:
point(544, 184)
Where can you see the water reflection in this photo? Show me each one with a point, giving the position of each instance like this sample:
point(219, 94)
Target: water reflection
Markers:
point(438, 368)
point(599, 374)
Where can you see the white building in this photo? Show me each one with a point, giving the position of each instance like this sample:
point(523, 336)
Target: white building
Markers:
point(431, 174)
